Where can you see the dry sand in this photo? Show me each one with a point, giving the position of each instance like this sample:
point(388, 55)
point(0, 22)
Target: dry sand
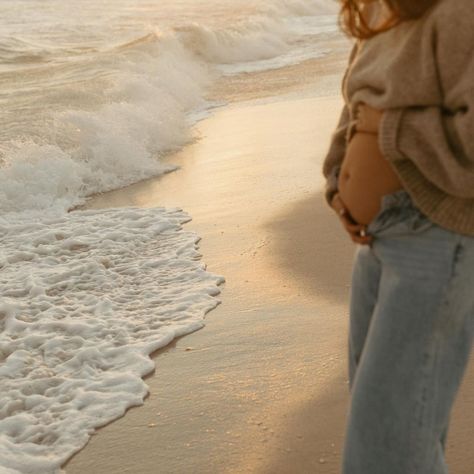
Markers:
point(263, 387)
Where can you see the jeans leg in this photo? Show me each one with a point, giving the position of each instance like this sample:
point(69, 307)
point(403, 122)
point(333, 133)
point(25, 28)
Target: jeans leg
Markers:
point(415, 353)
point(364, 289)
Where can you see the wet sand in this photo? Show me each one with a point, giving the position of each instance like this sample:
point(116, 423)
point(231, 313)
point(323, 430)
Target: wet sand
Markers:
point(263, 387)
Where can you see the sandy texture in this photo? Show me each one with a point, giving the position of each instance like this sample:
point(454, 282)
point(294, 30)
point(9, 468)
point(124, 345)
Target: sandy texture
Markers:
point(263, 388)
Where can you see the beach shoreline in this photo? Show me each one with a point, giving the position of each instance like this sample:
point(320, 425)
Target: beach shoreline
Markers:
point(263, 387)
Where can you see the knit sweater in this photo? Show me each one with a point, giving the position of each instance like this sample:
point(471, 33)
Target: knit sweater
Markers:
point(421, 74)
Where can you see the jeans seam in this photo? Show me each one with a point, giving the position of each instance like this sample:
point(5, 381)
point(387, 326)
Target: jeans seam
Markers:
point(434, 358)
point(429, 369)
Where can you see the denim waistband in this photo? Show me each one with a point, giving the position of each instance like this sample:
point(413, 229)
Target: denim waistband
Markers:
point(398, 198)
point(397, 214)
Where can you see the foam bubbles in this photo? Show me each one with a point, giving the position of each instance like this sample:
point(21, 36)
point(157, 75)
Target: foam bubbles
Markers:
point(86, 297)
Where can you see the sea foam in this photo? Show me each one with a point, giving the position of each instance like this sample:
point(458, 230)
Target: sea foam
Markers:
point(86, 298)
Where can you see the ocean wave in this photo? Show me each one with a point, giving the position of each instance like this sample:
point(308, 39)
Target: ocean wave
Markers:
point(143, 116)
point(20, 51)
point(141, 40)
point(150, 88)
point(262, 36)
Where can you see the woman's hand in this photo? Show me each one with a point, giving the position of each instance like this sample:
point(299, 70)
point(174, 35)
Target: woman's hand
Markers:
point(357, 232)
point(368, 119)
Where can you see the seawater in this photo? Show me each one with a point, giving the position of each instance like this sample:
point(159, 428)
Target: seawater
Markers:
point(95, 93)
point(93, 96)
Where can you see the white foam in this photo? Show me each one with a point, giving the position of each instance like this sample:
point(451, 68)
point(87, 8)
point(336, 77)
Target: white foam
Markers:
point(143, 117)
point(86, 297)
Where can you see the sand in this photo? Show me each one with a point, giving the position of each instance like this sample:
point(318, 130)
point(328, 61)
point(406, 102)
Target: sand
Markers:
point(263, 387)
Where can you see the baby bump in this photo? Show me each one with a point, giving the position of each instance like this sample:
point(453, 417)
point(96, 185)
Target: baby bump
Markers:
point(365, 177)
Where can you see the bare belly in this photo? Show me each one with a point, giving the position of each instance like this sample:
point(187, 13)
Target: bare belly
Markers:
point(365, 177)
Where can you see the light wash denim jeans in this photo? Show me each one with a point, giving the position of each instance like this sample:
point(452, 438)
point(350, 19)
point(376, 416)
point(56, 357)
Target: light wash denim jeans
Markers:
point(411, 328)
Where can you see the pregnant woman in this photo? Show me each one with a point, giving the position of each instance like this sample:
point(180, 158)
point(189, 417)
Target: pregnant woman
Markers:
point(400, 176)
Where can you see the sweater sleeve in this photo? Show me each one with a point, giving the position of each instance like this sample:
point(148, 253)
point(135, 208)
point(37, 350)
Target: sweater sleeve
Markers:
point(335, 155)
point(337, 149)
point(439, 142)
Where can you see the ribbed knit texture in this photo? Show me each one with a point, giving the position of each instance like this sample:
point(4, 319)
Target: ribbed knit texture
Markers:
point(421, 74)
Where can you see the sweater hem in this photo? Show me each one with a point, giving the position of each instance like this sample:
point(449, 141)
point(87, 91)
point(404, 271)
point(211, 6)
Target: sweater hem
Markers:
point(434, 203)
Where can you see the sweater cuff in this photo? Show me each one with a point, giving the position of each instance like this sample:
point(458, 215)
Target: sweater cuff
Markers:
point(388, 134)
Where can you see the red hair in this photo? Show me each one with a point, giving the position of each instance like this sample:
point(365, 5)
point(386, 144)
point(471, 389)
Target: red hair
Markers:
point(354, 23)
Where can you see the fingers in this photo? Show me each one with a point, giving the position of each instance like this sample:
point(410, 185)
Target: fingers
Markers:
point(362, 240)
point(337, 204)
point(357, 232)
point(368, 119)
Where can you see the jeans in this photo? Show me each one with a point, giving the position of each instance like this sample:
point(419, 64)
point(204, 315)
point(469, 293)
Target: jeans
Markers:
point(411, 329)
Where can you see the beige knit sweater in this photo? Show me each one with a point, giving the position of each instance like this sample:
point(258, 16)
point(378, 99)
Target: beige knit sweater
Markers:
point(421, 73)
